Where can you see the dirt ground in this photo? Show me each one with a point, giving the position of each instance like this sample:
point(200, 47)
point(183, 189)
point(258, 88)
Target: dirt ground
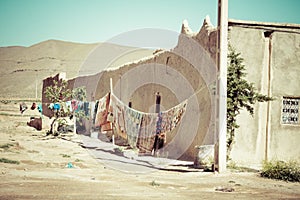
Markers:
point(61, 168)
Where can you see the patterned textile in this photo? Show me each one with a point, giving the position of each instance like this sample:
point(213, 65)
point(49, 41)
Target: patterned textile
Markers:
point(117, 109)
point(133, 120)
point(168, 120)
point(139, 128)
point(147, 132)
point(102, 111)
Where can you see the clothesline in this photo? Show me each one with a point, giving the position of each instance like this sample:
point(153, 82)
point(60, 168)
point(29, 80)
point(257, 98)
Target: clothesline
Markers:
point(139, 128)
point(195, 93)
point(24, 107)
point(187, 99)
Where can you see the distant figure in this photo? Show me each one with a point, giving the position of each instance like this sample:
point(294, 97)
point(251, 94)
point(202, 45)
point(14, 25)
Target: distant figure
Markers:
point(33, 106)
point(23, 107)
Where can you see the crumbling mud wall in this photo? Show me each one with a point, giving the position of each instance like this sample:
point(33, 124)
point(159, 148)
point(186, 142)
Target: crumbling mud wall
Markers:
point(187, 71)
point(137, 82)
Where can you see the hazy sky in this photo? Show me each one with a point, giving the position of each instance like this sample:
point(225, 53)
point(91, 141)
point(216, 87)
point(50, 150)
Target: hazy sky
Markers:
point(26, 22)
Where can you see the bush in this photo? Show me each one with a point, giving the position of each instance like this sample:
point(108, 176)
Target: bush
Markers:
point(5, 160)
point(287, 171)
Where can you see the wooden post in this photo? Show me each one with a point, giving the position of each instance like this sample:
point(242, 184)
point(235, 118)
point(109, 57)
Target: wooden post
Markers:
point(74, 118)
point(157, 110)
point(111, 85)
point(112, 127)
point(157, 102)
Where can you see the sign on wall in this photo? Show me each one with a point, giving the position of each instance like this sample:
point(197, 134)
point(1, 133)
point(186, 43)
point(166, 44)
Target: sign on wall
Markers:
point(290, 110)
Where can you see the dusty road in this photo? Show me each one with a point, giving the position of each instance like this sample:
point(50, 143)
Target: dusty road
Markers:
point(60, 168)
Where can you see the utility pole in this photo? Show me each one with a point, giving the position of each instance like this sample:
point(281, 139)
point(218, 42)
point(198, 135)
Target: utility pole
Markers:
point(221, 127)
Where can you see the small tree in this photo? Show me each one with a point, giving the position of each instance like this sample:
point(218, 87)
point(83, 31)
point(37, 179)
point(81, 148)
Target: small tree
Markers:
point(57, 94)
point(240, 95)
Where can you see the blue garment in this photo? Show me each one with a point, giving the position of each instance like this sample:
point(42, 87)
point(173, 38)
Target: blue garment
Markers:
point(40, 108)
point(86, 108)
point(80, 106)
point(56, 106)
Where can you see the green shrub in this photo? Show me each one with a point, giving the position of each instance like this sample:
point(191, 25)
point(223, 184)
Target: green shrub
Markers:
point(153, 183)
point(287, 171)
point(5, 160)
point(6, 146)
point(65, 155)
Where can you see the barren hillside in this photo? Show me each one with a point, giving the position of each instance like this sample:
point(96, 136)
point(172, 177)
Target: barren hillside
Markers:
point(22, 68)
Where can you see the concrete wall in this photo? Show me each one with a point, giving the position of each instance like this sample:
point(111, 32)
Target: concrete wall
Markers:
point(250, 137)
point(271, 55)
point(285, 81)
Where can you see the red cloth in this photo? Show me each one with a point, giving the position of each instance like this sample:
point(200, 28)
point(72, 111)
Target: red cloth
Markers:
point(33, 106)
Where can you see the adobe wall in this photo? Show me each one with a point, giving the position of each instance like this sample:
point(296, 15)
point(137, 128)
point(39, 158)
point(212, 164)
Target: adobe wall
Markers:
point(143, 97)
point(166, 72)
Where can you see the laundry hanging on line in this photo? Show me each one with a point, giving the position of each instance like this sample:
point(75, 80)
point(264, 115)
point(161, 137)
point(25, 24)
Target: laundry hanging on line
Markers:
point(33, 106)
point(147, 133)
point(40, 108)
point(102, 111)
point(139, 128)
point(133, 120)
point(23, 107)
point(117, 110)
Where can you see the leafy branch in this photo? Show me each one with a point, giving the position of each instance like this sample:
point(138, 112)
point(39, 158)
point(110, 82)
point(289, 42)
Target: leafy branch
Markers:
point(240, 95)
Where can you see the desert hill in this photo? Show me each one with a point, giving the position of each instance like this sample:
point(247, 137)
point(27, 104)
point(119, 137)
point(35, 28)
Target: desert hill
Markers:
point(22, 68)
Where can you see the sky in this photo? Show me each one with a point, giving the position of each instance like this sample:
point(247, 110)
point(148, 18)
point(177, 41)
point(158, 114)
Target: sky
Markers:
point(27, 22)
